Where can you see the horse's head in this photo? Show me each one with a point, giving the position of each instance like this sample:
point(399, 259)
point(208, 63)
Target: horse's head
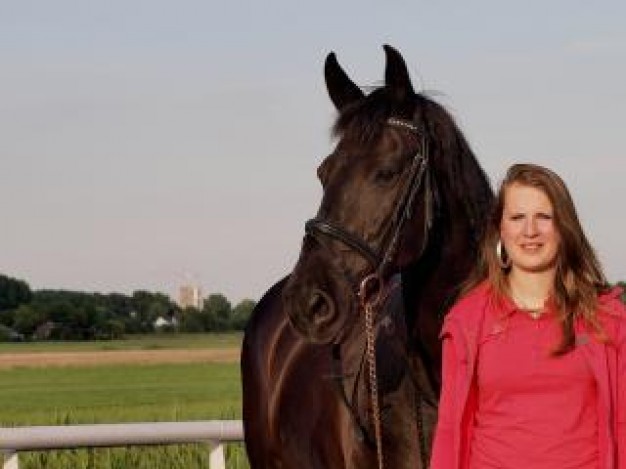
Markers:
point(377, 206)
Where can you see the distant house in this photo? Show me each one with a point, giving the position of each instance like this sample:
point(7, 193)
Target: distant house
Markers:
point(44, 331)
point(16, 336)
point(8, 334)
point(161, 322)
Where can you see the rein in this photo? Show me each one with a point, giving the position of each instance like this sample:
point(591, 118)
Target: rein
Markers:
point(371, 287)
point(368, 305)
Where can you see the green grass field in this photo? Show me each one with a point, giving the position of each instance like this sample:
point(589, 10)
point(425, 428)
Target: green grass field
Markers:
point(98, 394)
point(134, 342)
point(123, 393)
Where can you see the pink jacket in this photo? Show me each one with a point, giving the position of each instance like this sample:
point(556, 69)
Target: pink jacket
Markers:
point(462, 328)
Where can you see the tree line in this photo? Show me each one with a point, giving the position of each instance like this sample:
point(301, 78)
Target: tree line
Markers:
point(71, 315)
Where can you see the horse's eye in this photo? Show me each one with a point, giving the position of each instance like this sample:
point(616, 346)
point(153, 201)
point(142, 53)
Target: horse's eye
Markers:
point(385, 175)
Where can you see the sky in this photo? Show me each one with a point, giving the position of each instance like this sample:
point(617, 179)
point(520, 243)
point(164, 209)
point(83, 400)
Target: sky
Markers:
point(146, 144)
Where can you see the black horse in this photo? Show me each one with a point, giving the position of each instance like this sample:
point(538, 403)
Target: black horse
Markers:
point(404, 203)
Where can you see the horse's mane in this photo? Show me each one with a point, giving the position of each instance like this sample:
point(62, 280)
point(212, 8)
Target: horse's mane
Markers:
point(364, 120)
point(464, 174)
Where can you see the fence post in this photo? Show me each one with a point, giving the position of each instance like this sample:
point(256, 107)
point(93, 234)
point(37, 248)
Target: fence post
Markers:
point(10, 459)
point(216, 455)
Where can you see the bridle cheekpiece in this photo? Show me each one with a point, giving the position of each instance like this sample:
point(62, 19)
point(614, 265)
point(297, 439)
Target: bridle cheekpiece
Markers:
point(381, 260)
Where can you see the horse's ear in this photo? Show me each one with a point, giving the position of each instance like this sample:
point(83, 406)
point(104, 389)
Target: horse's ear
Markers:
point(397, 75)
point(341, 89)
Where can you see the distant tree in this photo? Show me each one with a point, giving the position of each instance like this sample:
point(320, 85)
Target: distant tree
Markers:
point(217, 312)
point(159, 309)
point(13, 292)
point(148, 306)
point(191, 320)
point(66, 318)
point(241, 314)
point(74, 315)
point(26, 320)
point(6, 333)
point(64, 314)
point(117, 305)
point(6, 317)
point(111, 329)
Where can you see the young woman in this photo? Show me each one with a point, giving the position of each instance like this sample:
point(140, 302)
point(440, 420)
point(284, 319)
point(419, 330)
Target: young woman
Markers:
point(534, 364)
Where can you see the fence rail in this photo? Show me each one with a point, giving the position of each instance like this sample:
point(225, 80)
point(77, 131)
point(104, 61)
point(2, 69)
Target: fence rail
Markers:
point(212, 432)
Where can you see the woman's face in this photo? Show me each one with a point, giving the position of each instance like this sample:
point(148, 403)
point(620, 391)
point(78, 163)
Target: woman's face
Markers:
point(527, 229)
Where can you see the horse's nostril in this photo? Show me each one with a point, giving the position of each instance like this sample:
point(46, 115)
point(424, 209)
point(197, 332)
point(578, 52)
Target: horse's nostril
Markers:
point(320, 307)
point(316, 301)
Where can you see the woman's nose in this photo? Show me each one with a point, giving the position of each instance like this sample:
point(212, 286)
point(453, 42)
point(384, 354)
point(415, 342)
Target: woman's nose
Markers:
point(530, 228)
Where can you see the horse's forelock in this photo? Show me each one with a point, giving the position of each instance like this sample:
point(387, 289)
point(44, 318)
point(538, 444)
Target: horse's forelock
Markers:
point(364, 120)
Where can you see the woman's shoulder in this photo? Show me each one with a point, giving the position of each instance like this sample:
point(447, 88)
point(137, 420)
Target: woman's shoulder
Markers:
point(610, 303)
point(466, 316)
point(472, 301)
point(612, 314)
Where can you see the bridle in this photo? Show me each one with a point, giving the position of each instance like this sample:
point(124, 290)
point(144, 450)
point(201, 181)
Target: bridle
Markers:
point(372, 286)
point(379, 261)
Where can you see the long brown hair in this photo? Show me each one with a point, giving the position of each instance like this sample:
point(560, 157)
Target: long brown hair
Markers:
point(579, 277)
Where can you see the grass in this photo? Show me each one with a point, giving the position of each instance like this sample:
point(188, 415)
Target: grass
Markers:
point(134, 342)
point(162, 457)
point(124, 393)
point(107, 393)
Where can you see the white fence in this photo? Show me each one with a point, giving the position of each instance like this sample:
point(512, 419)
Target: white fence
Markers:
point(212, 432)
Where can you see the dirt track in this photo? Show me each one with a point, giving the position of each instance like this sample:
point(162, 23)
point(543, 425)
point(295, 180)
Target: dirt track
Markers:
point(109, 357)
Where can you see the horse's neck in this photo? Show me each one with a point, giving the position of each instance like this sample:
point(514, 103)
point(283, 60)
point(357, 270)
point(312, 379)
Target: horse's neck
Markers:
point(431, 285)
point(445, 264)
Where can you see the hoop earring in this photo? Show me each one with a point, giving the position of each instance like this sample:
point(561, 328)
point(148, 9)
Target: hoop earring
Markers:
point(504, 261)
